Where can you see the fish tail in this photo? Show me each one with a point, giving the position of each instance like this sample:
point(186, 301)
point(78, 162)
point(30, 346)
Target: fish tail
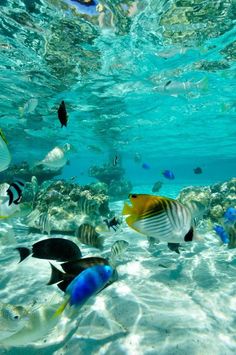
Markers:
point(24, 253)
point(127, 209)
point(204, 84)
point(21, 111)
point(56, 275)
point(60, 309)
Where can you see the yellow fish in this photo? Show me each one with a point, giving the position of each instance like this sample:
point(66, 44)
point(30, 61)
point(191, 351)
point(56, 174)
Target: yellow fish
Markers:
point(161, 218)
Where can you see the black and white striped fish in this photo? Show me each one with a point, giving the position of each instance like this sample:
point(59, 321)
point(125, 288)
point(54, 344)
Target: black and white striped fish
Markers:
point(162, 218)
point(44, 223)
point(118, 248)
point(88, 235)
point(15, 191)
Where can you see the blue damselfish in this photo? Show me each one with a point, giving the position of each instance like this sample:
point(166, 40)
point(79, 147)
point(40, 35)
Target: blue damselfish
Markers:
point(220, 231)
point(86, 284)
point(168, 174)
point(230, 214)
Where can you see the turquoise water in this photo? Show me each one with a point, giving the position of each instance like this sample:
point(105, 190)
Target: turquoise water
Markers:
point(155, 80)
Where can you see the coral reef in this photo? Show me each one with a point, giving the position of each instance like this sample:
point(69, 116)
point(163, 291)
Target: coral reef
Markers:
point(25, 172)
point(217, 198)
point(68, 205)
point(112, 176)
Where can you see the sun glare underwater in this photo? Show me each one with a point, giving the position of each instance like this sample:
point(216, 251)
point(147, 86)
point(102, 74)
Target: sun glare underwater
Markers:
point(118, 177)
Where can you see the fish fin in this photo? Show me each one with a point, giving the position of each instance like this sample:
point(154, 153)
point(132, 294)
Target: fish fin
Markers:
point(174, 247)
point(127, 209)
point(24, 253)
point(196, 208)
point(21, 112)
point(64, 284)
point(203, 84)
point(56, 275)
point(60, 309)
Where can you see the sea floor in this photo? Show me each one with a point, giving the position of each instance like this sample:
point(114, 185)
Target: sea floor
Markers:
point(163, 303)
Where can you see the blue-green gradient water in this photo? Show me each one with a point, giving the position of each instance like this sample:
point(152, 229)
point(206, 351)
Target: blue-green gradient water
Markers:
point(158, 82)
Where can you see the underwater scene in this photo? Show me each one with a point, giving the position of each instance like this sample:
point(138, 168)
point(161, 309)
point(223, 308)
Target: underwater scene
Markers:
point(118, 177)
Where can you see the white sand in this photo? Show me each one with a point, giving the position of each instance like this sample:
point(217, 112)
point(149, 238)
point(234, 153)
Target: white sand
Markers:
point(163, 303)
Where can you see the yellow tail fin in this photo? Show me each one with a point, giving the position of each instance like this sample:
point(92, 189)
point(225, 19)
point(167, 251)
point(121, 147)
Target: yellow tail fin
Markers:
point(61, 308)
point(127, 209)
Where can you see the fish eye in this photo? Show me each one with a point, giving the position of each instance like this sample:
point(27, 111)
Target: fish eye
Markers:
point(134, 196)
point(16, 317)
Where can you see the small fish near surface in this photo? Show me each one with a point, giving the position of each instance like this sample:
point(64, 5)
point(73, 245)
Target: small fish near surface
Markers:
point(74, 268)
point(58, 249)
point(116, 160)
point(62, 114)
point(87, 234)
point(157, 186)
point(56, 158)
point(5, 156)
point(220, 231)
point(85, 285)
point(146, 166)
point(197, 170)
point(162, 218)
point(29, 107)
point(113, 223)
point(168, 174)
point(15, 191)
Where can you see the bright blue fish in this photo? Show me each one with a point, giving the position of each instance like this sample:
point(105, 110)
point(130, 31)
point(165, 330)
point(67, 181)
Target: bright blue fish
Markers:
point(221, 233)
point(146, 166)
point(86, 284)
point(230, 214)
point(168, 174)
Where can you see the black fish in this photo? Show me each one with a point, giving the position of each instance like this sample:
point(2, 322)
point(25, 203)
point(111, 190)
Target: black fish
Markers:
point(58, 249)
point(112, 223)
point(197, 170)
point(174, 247)
point(88, 235)
point(62, 114)
point(74, 268)
point(14, 192)
point(115, 160)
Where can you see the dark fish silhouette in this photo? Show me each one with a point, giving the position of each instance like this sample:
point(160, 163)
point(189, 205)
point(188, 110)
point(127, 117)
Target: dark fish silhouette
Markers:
point(62, 114)
point(113, 223)
point(174, 247)
point(197, 170)
point(15, 191)
point(58, 249)
point(74, 268)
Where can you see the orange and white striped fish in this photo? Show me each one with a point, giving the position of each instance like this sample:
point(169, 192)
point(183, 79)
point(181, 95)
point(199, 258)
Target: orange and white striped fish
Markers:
point(162, 218)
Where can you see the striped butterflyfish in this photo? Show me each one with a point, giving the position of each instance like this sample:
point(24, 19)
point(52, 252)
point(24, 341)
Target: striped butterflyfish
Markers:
point(159, 217)
point(15, 191)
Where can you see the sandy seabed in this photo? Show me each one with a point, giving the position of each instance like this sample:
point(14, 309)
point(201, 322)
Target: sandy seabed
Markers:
point(163, 303)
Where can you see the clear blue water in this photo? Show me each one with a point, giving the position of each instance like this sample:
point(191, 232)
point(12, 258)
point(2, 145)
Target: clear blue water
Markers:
point(159, 82)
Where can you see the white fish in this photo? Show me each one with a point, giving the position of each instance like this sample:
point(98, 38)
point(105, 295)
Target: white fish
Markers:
point(12, 318)
point(56, 158)
point(5, 156)
point(29, 107)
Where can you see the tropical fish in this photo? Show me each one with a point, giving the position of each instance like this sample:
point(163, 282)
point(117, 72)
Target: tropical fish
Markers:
point(163, 218)
point(157, 186)
point(56, 158)
point(73, 268)
point(12, 317)
point(168, 174)
point(118, 248)
point(5, 156)
point(116, 159)
point(113, 223)
point(137, 158)
point(15, 191)
point(85, 285)
point(197, 170)
point(7, 211)
point(44, 223)
point(86, 205)
point(58, 249)
point(220, 231)
point(87, 234)
point(62, 114)
point(146, 166)
point(230, 215)
point(29, 107)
